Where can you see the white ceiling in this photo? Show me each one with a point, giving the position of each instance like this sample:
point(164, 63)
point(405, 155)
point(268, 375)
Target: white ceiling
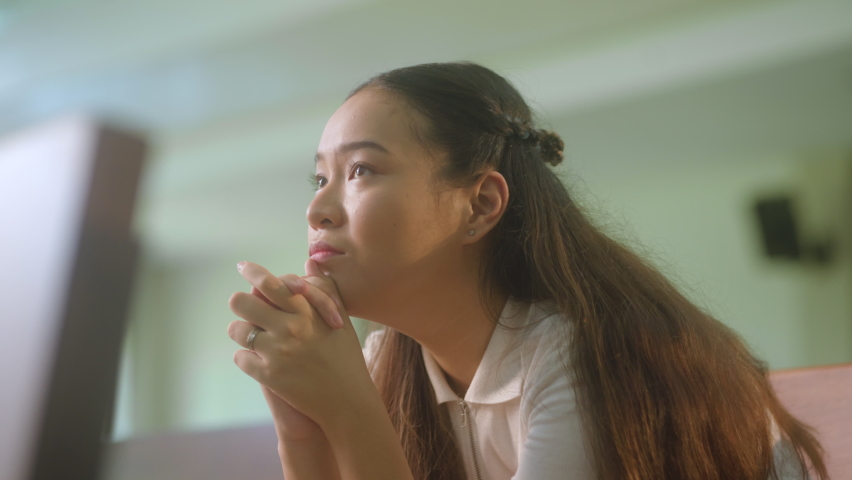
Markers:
point(179, 65)
point(235, 94)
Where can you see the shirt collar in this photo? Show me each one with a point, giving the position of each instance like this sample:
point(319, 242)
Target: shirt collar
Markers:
point(498, 378)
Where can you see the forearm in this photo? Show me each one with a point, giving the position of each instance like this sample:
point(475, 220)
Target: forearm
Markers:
point(308, 459)
point(365, 443)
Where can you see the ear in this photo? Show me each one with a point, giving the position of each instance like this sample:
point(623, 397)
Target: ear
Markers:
point(488, 199)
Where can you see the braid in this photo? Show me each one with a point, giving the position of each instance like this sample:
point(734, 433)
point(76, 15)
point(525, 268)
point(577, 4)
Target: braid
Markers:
point(549, 143)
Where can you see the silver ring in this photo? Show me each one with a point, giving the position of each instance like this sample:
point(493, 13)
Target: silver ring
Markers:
point(251, 336)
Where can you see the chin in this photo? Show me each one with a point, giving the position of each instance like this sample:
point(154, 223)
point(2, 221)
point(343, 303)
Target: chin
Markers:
point(347, 293)
point(354, 307)
point(364, 293)
point(357, 301)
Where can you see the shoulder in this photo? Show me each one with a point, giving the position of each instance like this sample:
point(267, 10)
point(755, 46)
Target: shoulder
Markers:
point(554, 438)
point(543, 337)
point(542, 350)
point(372, 343)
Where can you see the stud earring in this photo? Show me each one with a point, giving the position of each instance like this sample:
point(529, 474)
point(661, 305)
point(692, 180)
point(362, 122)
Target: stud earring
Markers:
point(472, 233)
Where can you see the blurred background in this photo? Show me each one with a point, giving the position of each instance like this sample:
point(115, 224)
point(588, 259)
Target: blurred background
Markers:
point(679, 118)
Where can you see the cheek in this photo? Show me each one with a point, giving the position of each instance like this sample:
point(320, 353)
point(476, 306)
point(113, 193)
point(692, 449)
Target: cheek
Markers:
point(392, 236)
point(399, 228)
point(379, 222)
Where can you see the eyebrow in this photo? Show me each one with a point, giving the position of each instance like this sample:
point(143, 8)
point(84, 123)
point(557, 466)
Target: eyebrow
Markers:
point(352, 146)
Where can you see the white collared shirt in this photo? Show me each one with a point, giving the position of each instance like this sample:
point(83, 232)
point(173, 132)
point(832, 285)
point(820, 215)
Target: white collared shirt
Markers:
point(524, 418)
point(523, 415)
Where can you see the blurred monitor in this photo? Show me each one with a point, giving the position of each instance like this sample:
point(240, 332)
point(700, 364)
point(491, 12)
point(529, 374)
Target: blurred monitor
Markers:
point(67, 192)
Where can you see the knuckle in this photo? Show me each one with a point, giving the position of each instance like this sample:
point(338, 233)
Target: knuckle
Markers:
point(301, 303)
point(285, 351)
point(235, 301)
point(292, 283)
point(269, 284)
point(294, 331)
point(324, 288)
point(316, 282)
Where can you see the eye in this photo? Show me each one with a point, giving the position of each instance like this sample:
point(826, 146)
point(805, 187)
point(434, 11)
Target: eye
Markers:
point(317, 181)
point(360, 170)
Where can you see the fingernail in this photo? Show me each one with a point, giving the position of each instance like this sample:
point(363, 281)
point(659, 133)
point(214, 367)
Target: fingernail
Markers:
point(339, 320)
point(241, 266)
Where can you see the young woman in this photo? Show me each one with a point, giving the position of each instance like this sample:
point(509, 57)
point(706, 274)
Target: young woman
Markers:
point(519, 342)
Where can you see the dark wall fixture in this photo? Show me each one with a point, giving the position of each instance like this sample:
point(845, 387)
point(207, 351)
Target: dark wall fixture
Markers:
point(782, 238)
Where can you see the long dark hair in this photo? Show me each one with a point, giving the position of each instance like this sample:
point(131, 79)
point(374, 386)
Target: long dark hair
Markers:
point(665, 390)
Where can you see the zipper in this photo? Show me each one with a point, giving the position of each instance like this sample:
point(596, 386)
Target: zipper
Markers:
point(466, 423)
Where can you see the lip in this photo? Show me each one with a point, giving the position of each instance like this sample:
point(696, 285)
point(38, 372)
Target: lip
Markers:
point(320, 251)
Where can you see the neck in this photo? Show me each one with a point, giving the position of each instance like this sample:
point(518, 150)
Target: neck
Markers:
point(450, 322)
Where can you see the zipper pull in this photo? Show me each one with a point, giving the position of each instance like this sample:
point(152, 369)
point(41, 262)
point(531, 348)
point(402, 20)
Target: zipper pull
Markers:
point(463, 412)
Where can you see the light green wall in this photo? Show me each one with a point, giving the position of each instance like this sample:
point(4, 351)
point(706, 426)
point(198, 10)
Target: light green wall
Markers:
point(825, 186)
point(696, 222)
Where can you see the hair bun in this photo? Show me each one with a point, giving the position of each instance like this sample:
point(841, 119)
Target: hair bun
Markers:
point(551, 147)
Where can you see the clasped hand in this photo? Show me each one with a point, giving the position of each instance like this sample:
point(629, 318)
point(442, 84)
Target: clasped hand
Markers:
point(307, 355)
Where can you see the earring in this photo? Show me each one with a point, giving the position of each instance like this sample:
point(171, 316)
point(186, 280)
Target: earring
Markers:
point(472, 233)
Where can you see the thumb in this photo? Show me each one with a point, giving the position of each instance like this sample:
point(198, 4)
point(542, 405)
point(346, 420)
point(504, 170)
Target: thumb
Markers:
point(315, 276)
point(312, 269)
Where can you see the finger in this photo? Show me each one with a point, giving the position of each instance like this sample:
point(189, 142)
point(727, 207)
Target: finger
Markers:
point(250, 363)
point(322, 303)
point(272, 287)
point(325, 283)
point(312, 269)
point(239, 332)
point(326, 289)
point(254, 310)
point(268, 393)
point(256, 293)
point(316, 283)
point(292, 282)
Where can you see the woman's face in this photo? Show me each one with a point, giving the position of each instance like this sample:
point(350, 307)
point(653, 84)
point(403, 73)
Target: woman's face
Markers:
point(377, 202)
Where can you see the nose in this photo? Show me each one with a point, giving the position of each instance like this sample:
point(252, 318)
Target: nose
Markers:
point(325, 210)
